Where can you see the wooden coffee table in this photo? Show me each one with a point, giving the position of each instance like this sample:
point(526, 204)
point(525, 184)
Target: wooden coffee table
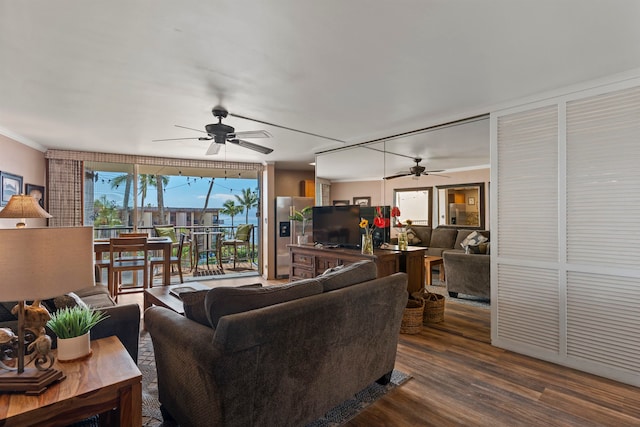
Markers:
point(108, 383)
point(431, 261)
point(162, 296)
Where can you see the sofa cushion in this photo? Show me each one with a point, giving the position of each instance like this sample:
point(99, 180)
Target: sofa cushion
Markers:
point(5, 311)
point(224, 301)
point(443, 237)
point(351, 274)
point(412, 237)
point(423, 232)
point(462, 234)
point(194, 308)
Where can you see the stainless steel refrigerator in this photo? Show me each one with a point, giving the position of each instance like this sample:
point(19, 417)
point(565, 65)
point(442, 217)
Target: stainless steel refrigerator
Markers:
point(287, 230)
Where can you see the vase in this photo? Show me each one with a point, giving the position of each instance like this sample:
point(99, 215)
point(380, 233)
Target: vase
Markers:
point(367, 244)
point(73, 348)
point(303, 239)
point(402, 240)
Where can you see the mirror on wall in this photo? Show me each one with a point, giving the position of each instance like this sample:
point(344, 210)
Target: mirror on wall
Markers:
point(461, 205)
point(414, 204)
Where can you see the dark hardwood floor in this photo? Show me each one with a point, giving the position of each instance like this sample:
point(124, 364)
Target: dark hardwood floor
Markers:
point(459, 379)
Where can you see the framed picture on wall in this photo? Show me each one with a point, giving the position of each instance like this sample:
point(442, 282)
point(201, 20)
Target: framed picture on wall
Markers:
point(10, 184)
point(340, 203)
point(362, 201)
point(35, 191)
point(472, 200)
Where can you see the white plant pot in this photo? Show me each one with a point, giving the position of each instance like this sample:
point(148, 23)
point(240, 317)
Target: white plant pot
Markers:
point(303, 240)
point(74, 348)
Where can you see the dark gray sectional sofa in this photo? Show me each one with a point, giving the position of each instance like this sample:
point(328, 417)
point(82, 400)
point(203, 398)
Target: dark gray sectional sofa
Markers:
point(123, 320)
point(468, 274)
point(279, 355)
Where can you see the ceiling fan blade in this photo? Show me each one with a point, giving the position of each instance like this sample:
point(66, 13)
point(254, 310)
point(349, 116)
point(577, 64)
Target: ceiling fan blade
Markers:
point(184, 127)
point(435, 171)
point(172, 139)
point(286, 128)
point(437, 174)
point(397, 176)
point(214, 148)
point(251, 146)
point(250, 134)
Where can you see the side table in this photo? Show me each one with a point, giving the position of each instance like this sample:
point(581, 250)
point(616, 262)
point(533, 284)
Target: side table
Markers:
point(108, 383)
point(432, 261)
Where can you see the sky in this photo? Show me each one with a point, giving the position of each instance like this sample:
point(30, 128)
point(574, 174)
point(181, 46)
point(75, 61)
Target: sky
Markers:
point(181, 191)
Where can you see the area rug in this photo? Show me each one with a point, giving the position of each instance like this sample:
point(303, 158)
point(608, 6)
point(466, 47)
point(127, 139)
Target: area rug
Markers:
point(461, 298)
point(151, 416)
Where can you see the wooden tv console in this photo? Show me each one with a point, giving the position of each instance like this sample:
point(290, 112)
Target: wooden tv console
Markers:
point(309, 261)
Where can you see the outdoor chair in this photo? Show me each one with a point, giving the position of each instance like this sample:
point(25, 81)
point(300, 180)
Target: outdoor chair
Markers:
point(243, 234)
point(127, 254)
point(175, 260)
point(209, 244)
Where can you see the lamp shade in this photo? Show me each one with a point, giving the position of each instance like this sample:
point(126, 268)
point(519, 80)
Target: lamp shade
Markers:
point(41, 263)
point(22, 206)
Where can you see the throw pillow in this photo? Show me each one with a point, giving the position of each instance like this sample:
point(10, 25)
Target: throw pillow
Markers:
point(194, 308)
point(473, 239)
point(68, 300)
point(169, 232)
point(412, 237)
point(224, 301)
point(243, 232)
point(351, 274)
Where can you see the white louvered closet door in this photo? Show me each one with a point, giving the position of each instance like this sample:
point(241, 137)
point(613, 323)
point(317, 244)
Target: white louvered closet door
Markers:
point(527, 228)
point(603, 229)
point(566, 226)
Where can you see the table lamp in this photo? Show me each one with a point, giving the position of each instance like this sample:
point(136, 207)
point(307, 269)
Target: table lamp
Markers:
point(22, 206)
point(38, 264)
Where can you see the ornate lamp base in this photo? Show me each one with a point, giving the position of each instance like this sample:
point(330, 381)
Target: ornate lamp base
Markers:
point(31, 382)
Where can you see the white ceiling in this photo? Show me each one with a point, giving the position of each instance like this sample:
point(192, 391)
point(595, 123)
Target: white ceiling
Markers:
point(110, 76)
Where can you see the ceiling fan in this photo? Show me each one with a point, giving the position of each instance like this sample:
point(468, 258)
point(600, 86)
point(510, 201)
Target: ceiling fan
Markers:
point(221, 134)
point(416, 170)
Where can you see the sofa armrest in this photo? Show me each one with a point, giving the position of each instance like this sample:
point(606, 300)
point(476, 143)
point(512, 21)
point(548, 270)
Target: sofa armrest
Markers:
point(468, 273)
point(123, 322)
point(186, 362)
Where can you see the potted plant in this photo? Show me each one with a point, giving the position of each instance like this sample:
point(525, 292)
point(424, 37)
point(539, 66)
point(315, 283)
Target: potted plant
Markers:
point(303, 216)
point(72, 325)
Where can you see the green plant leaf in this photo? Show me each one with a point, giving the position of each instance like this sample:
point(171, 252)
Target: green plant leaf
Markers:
point(70, 322)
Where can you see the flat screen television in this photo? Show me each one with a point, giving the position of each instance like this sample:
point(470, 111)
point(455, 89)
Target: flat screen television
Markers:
point(337, 226)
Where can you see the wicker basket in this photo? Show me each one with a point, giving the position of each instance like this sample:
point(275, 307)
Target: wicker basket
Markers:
point(412, 317)
point(433, 308)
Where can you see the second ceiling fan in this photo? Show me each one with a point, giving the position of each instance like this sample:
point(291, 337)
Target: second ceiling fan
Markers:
point(220, 134)
point(416, 170)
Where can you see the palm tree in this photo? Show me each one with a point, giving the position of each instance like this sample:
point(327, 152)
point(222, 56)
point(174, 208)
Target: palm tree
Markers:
point(230, 208)
point(116, 182)
point(161, 182)
point(206, 202)
point(106, 213)
point(248, 200)
point(145, 181)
